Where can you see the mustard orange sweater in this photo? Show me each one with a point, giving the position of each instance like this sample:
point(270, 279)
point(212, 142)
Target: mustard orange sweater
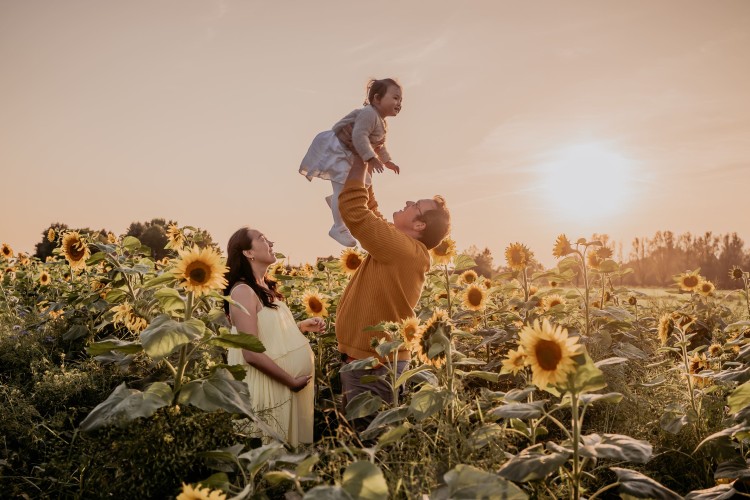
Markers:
point(388, 283)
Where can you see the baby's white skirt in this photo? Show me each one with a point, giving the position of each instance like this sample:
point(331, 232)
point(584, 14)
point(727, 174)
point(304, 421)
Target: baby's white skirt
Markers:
point(327, 159)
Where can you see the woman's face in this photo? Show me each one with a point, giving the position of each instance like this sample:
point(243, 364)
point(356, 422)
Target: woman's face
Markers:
point(262, 248)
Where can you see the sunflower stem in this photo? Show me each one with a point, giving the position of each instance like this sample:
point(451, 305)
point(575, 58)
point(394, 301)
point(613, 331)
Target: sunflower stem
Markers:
point(448, 290)
point(182, 363)
point(582, 255)
point(576, 424)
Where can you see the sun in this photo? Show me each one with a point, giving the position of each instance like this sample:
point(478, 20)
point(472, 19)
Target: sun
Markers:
point(587, 182)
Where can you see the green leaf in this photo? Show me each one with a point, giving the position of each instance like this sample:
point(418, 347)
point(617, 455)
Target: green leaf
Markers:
point(131, 243)
point(113, 296)
point(162, 279)
point(408, 374)
point(386, 349)
point(259, 457)
point(463, 262)
point(640, 486)
point(360, 364)
point(125, 405)
point(327, 493)
point(164, 335)
point(719, 492)
point(532, 464)
point(610, 397)
point(535, 409)
point(169, 299)
point(364, 480)
point(466, 481)
point(107, 345)
point(426, 402)
point(362, 405)
point(673, 419)
point(608, 266)
point(483, 435)
point(489, 376)
point(394, 435)
point(238, 341)
point(739, 398)
point(610, 361)
point(390, 416)
point(616, 447)
point(587, 378)
point(76, 332)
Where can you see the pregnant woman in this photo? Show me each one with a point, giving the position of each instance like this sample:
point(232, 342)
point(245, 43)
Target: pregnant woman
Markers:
point(279, 378)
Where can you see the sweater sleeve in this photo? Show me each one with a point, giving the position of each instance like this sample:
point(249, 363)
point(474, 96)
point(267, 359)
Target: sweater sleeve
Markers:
point(379, 237)
point(364, 124)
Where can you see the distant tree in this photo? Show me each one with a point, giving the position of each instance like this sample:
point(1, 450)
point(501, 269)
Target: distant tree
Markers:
point(483, 259)
point(153, 234)
point(731, 255)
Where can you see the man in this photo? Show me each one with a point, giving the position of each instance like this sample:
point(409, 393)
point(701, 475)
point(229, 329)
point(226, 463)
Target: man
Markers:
point(388, 283)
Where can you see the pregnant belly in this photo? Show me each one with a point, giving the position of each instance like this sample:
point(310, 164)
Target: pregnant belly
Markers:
point(298, 362)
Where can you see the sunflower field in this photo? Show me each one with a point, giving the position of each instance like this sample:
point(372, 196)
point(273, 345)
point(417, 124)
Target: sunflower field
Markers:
point(548, 384)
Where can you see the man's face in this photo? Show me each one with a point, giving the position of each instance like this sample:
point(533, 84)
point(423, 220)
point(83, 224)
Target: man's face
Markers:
point(409, 216)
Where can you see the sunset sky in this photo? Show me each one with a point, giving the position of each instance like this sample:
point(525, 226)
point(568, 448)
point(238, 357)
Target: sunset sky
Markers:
point(530, 118)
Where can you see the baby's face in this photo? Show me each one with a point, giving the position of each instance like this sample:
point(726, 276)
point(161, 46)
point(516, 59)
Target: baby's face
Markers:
point(390, 103)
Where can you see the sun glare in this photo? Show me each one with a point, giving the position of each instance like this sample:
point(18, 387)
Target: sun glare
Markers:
point(586, 182)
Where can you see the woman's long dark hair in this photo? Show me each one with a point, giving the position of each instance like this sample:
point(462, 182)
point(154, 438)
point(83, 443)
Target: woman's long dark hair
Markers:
point(240, 270)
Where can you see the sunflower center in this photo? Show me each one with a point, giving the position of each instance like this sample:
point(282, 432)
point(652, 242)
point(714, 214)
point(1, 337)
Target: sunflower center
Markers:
point(198, 273)
point(409, 332)
point(554, 302)
point(315, 305)
point(548, 354)
point(352, 261)
point(475, 297)
point(690, 281)
point(441, 249)
point(76, 250)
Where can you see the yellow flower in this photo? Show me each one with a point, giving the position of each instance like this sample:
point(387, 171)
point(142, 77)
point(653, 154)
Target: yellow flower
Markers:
point(200, 270)
point(136, 324)
point(121, 313)
point(350, 260)
point(715, 350)
point(705, 288)
point(736, 273)
point(75, 250)
point(198, 493)
point(475, 298)
point(111, 238)
point(666, 324)
point(551, 301)
point(175, 236)
point(549, 352)
point(6, 251)
point(44, 278)
point(689, 281)
point(514, 362)
point(562, 247)
point(444, 252)
point(55, 314)
point(424, 340)
point(23, 259)
point(315, 304)
point(51, 235)
point(468, 277)
point(409, 329)
point(487, 283)
point(517, 256)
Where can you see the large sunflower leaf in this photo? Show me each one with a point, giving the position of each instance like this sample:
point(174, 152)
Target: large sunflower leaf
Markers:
point(636, 484)
point(220, 391)
point(239, 341)
point(587, 377)
point(616, 447)
point(532, 464)
point(124, 405)
point(327, 493)
point(535, 409)
point(108, 345)
point(720, 492)
point(739, 398)
point(466, 481)
point(169, 299)
point(427, 402)
point(364, 480)
point(389, 416)
point(362, 405)
point(162, 279)
point(164, 335)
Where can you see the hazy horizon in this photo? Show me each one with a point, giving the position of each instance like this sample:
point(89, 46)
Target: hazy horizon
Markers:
point(531, 119)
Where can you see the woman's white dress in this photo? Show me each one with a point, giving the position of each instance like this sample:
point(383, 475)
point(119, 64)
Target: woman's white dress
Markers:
point(290, 413)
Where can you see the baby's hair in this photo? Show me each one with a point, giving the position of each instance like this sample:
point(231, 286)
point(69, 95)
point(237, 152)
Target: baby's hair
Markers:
point(378, 87)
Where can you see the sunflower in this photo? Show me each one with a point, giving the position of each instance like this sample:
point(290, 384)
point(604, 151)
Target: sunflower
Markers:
point(201, 270)
point(175, 236)
point(549, 352)
point(689, 281)
point(111, 238)
point(715, 350)
point(23, 259)
point(136, 324)
point(409, 329)
point(705, 288)
point(198, 493)
point(666, 325)
point(514, 362)
point(593, 260)
point(44, 278)
point(632, 300)
point(517, 256)
point(51, 235)
point(553, 284)
point(551, 301)
point(6, 251)
point(350, 260)
point(425, 339)
point(122, 313)
point(475, 298)
point(75, 250)
point(444, 252)
point(736, 273)
point(487, 283)
point(315, 304)
point(468, 277)
point(562, 247)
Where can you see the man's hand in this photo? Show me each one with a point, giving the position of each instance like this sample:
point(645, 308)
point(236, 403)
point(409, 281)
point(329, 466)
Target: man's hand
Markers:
point(392, 166)
point(357, 172)
point(375, 165)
